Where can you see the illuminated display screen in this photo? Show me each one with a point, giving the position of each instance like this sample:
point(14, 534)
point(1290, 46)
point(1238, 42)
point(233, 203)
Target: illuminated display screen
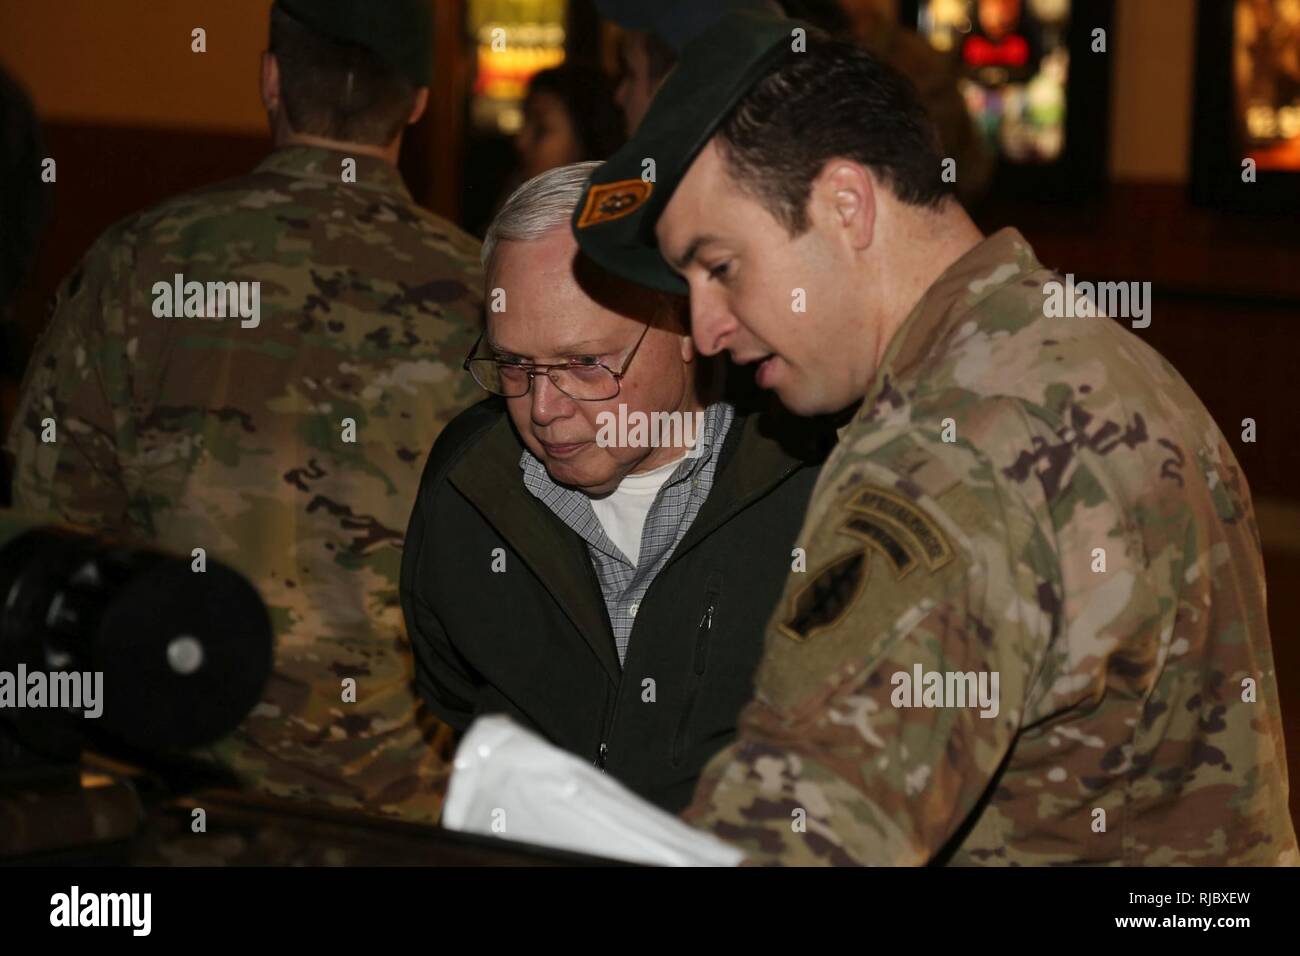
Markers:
point(514, 39)
point(1014, 63)
point(1266, 80)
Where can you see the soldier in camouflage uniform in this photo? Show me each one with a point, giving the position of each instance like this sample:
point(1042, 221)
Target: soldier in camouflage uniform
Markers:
point(1034, 506)
point(291, 448)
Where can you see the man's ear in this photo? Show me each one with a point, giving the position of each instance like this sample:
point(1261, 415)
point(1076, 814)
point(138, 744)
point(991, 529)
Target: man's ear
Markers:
point(676, 316)
point(688, 348)
point(417, 108)
point(844, 195)
point(270, 82)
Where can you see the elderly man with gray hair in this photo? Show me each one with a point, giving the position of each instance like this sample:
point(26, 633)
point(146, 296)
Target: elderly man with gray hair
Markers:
point(596, 547)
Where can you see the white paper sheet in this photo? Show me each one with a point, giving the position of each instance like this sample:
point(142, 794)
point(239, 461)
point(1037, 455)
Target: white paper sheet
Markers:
point(508, 782)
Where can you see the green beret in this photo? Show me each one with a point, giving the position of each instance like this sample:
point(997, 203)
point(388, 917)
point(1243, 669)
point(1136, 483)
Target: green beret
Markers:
point(615, 219)
point(399, 32)
point(676, 22)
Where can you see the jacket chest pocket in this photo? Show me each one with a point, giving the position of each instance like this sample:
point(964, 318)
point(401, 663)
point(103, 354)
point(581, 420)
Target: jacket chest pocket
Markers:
point(699, 658)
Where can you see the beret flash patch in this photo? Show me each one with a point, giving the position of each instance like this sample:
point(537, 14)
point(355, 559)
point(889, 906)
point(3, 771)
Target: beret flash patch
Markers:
point(610, 201)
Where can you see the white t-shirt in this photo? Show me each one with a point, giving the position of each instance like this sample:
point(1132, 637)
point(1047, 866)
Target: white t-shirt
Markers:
point(623, 511)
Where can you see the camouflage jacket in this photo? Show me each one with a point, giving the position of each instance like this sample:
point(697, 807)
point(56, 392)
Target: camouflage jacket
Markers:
point(1044, 500)
point(236, 436)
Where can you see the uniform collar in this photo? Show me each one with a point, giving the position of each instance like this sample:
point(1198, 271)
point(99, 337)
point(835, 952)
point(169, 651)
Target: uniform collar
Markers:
point(999, 259)
point(325, 165)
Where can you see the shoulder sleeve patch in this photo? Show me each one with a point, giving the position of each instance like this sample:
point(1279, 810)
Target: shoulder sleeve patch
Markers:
point(610, 201)
point(926, 590)
point(893, 522)
point(822, 602)
point(883, 539)
point(883, 521)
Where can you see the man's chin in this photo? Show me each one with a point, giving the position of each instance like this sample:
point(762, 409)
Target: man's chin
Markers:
point(576, 472)
point(807, 402)
point(798, 400)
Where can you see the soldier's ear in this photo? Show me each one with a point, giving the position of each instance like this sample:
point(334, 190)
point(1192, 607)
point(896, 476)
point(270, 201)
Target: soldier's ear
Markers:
point(270, 82)
point(844, 196)
point(417, 108)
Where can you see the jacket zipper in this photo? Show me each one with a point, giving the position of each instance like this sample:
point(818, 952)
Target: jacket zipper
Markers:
point(611, 713)
point(714, 588)
point(702, 635)
point(701, 658)
point(602, 753)
point(706, 622)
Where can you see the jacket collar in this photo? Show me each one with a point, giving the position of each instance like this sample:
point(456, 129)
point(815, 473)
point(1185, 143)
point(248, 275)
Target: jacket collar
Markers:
point(753, 461)
point(751, 464)
point(488, 476)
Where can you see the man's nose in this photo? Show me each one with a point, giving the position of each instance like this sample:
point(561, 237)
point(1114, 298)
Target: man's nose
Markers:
point(712, 324)
point(549, 403)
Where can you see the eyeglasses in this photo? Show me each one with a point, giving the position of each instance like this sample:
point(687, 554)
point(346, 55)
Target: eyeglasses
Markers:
point(584, 381)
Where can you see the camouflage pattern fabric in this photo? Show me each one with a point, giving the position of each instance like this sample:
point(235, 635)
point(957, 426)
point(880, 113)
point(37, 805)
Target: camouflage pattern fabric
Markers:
point(202, 433)
point(1137, 719)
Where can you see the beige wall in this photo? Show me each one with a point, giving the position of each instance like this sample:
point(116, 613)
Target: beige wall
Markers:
point(1151, 89)
point(128, 62)
point(147, 76)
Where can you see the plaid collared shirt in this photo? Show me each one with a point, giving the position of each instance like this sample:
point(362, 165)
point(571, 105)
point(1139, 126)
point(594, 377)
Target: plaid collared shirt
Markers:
point(623, 583)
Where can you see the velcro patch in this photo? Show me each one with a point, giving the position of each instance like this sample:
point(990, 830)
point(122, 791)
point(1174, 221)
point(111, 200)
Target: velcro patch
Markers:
point(610, 201)
point(889, 521)
point(825, 600)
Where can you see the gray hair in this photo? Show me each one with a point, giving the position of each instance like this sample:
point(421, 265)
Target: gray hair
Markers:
point(537, 207)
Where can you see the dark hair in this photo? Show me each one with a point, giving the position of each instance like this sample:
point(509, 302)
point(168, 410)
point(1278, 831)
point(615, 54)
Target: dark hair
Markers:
point(588, 98)
point(835, 99)
point(337, 90)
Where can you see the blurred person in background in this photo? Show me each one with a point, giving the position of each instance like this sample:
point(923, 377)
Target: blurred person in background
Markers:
point(655, 35)
point(569, 116)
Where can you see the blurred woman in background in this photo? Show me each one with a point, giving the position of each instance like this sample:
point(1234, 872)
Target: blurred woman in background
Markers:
point(569, 116)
